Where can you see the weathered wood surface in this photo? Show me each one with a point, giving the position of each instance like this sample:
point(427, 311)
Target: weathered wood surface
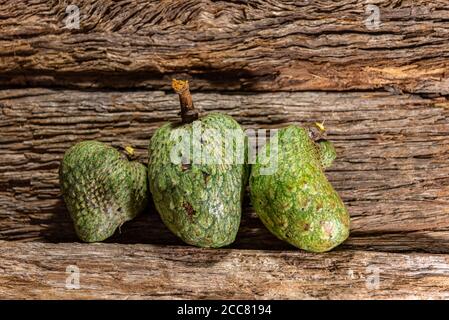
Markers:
point(392, 169)
point(36, 270)
point(228, 45)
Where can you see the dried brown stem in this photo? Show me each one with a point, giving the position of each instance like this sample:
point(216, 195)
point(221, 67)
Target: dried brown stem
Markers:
point(188, 111)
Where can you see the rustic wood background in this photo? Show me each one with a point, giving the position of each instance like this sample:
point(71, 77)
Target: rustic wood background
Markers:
point(383, 94)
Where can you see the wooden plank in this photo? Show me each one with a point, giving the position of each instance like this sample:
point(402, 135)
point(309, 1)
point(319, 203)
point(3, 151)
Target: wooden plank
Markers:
point(262, 45)
point(36, 270)
point(392, 169)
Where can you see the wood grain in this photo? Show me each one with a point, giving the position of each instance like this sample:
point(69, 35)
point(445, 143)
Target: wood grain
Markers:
point(392, 170)
point(117, 271)
point(263, 45)
point(383, 93)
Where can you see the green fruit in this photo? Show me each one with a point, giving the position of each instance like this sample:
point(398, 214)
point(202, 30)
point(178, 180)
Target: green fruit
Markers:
point(199, 201)
point(327, 153)
point(102, 189)
point(296, 202)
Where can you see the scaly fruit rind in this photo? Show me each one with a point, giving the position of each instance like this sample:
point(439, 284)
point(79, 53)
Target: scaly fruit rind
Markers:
point(101, 188)
point(327, 153)
point(199, 202)
point(297, 203)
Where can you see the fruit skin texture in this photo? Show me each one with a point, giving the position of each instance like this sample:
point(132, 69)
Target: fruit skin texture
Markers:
point(297, 203)
point(327, 153)
point(102, 189)
point(199, 202)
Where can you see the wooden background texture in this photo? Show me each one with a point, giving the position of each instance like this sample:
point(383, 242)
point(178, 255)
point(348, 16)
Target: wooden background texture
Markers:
point(383, 94)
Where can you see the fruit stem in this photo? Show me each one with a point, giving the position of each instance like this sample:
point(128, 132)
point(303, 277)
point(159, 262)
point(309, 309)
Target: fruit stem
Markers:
point(129, 152)
point(317, 132)
point(188, 111)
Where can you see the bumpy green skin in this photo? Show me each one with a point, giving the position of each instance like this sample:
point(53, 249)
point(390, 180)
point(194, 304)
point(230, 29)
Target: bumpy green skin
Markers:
point(200, 203)
point(327, 153)
point(297, 203)
point(102, 189)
